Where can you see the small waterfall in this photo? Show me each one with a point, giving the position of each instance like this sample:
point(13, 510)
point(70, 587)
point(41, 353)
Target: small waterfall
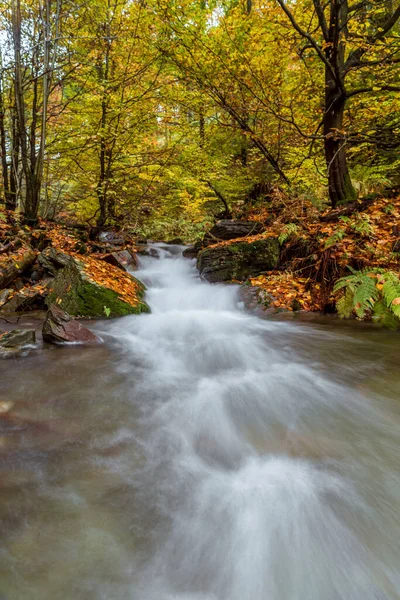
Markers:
point(270, 477)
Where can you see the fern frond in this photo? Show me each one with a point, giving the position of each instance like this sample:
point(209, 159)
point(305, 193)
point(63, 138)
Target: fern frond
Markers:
point(373, 292)
point(287, 231)
point(334, 238)
point(345, 304)
point(382, 315)
point(391, 288)
point(365, 296)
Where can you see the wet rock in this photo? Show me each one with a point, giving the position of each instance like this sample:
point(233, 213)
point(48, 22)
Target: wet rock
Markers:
point(238, 261)
point(60, 328)
point(37, 274)
point(146, 251)
point(81, 296)
point(228, 229)
point(192, 251)
point(256, 298)
point(116, 238)
point(26, 299)
point(17, 338)
point(123, 259)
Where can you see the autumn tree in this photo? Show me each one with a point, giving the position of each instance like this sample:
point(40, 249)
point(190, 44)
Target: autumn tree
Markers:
point(34, 33)
point(358, 46)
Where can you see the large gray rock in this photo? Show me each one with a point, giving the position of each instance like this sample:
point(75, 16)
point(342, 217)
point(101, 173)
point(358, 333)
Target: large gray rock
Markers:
point(17, 338)
point(238, 261)
point(148, 251)
point(229, 229)
point(53, 260)
point(59, 328)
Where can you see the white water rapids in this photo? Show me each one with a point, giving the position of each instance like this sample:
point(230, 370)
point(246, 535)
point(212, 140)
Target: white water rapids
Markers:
point(202, 453)
point(259, 464)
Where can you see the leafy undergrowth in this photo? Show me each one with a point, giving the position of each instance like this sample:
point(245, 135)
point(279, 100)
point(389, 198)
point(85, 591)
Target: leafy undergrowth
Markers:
point(318, 249)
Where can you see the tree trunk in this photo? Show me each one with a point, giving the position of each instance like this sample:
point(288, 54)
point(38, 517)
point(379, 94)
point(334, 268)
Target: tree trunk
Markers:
point(341, 190)
point(202, 133)
point(14, 168)
point(32, 199)
point(103, 67)
point(3, 150)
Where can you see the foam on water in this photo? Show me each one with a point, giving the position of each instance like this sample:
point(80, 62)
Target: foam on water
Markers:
point(250, 455)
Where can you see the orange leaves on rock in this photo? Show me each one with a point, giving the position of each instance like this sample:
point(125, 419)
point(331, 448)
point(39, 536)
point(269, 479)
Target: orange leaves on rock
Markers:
point(247, 239)
point(290, 292)
point(97, 270)
point(111, 277)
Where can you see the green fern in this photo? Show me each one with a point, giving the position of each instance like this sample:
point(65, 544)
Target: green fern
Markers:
point(344, 304)
point(335, 238)
point(371, 293)
point(289, 230)
point(383, 316)
point(362, 225)
point(391, 293)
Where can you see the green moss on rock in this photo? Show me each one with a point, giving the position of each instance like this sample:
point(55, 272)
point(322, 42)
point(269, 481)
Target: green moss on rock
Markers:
point(238, 261)
point(82, 297)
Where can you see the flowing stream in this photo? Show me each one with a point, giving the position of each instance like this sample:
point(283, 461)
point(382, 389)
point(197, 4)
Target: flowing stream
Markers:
point(202, 453)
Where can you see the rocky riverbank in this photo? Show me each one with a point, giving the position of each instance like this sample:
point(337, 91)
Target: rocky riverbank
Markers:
point(65, 275)
point(289, 256)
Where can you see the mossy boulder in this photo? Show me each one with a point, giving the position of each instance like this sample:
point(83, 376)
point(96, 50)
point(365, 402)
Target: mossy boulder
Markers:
point(229, 229)
point(75, 292)
point(239, 260)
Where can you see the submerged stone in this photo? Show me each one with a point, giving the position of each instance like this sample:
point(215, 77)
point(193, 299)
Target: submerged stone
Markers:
point(17, 338)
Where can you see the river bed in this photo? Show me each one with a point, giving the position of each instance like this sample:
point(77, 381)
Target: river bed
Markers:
point(201, 453)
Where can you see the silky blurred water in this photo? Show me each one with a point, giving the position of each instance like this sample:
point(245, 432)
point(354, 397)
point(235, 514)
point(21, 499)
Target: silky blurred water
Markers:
point(202, 453)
